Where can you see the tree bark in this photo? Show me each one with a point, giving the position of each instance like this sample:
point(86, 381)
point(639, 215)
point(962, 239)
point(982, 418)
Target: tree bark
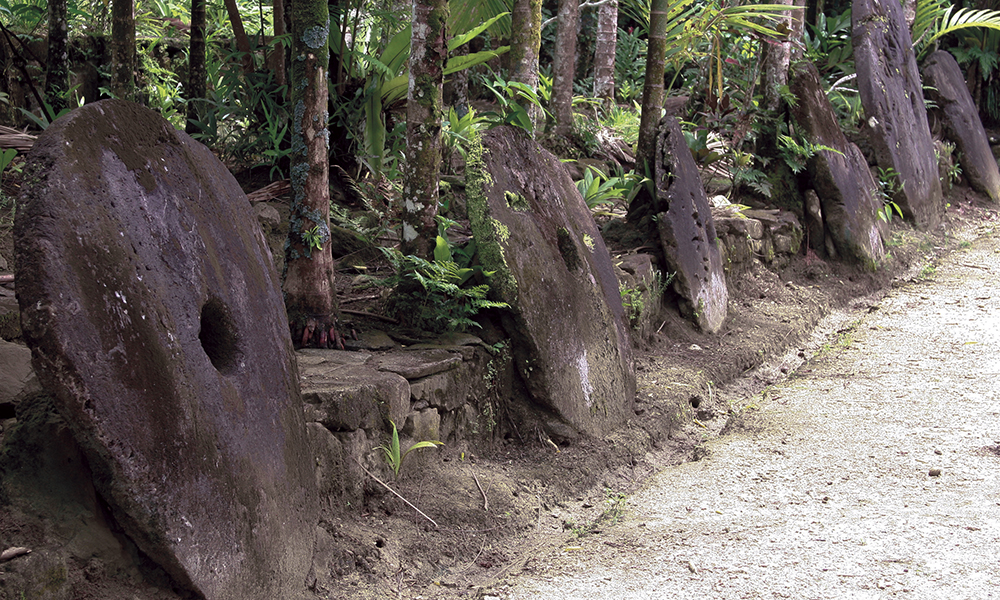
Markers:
point(652, 89)
point(604, 50)
point(196, 87)
point(57, 58)
point(310, 294)
point(777, 55)
point(123, 61)
point(428, 56)
point(565, 66)
point(276, 60)
point(525, 43)
point(240, 34)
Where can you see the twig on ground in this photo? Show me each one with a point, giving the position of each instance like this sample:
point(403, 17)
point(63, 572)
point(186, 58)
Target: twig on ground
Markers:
point(398, 495)
point(486, 501)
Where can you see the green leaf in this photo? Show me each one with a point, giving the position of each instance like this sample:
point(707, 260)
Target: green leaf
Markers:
point(466, 37)
point(442, 252)
point(460, 63)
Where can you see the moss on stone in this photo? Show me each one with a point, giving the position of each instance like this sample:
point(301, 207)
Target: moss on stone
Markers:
point(488, 239)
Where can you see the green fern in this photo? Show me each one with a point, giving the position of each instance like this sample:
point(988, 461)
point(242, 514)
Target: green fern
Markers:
point(935, 19)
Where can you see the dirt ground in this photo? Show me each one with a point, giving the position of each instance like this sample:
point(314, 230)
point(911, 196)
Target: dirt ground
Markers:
point(520, 506)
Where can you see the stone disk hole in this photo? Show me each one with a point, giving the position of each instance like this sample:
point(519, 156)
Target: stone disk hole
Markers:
point(218, 336)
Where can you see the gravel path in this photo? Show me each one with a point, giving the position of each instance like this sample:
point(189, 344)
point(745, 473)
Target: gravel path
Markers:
point(872, 472)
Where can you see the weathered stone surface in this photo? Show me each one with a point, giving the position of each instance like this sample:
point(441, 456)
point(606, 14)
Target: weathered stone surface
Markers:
point(349, 397)
point(687, 230)
point(17, 378)
point(840, 178)
point(446, 391)
point(642, 287)
point(419, 363)
point(155, 318)
point(422, 424)
point(893, 98)
point(961, 121)
point(569, 337)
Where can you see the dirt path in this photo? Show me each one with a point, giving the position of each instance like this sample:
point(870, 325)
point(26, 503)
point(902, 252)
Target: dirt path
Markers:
point(872, 472)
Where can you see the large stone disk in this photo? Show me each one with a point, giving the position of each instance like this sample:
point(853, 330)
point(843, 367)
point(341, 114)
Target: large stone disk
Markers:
point(155, 317)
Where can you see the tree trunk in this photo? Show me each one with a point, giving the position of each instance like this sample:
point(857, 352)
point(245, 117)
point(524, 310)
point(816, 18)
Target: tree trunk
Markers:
point(652, 89)
point(196, 87)
point(57, 58)
point(276, 60)
point(798, 28)
point(776, 57)
point(564, 67)
point(310, 295)
point(240, 34)
point(525, 42)
point(428, 56)
point(123, 62)
point(604, 50)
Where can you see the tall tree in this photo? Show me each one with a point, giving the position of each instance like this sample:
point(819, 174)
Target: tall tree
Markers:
point(57, 57)
point(310, 294)
point(197, 54)
point(652, 89)
point(525, 42)
point(123, 49)
point(428, 56)
point(604, 50)
point(564, 67)
point(777, 55)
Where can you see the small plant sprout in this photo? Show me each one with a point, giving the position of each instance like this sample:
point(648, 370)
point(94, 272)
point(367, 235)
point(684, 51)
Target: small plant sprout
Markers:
point(392, 450)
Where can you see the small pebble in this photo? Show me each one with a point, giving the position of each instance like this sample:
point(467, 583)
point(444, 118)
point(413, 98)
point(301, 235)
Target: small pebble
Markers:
point(934, 472)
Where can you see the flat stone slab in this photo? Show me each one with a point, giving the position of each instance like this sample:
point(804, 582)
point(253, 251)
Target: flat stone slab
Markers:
point(155, 318)
point(353, 396)
point(418, 363)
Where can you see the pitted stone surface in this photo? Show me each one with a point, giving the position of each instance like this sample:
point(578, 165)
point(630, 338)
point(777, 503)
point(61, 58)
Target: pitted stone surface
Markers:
point(687, 230)
point(17, 378)
point(893, 98)
point(569, 338)
point(962, 125)
point(155, 318)
point(841, 178)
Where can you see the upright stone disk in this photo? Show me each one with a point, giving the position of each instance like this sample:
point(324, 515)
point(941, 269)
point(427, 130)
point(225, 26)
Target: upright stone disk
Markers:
point(570, 338)
point(891, 92)
point(155, 317)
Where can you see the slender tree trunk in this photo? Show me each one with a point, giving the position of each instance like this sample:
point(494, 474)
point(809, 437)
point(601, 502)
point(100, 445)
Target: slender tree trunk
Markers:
point(428, 55)
point(652, 89)
point(776, 56)
point(564, 68)
point(242, 41)
point(310, 295)
point(798, 28)
point(525, 43)
point(277, 58)
point(604, 50)
point(123, 61)
point(57, 58)
point(195, 90)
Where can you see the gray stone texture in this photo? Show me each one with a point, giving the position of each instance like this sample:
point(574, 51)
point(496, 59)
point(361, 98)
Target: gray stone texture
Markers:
point(962, 125)
point(841, 178)
point(893, 98)
point(349, 397)
point(570, 340)
point(687, 230)
point(155, 318)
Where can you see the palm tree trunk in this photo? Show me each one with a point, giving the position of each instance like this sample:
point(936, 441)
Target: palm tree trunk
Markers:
point(310, 295)
point(652, 89)
point(424, 103)
point(604, 50)
point(564, 68)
